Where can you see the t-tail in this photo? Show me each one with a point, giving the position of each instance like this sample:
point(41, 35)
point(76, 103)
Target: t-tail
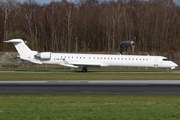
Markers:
point(23, 50)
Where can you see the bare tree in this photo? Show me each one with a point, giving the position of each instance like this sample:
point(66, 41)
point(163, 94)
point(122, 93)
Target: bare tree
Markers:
point(7, 7)
point(100, 26)
point(68, 24)
point(29, 11)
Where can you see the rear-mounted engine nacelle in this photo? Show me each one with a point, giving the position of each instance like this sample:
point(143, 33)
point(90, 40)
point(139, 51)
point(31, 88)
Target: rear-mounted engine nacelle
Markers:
point(44, 55)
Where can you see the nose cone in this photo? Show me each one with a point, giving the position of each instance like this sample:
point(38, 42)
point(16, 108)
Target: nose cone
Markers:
point(174, 65)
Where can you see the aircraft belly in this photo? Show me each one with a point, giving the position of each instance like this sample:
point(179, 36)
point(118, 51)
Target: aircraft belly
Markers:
point(130, 64)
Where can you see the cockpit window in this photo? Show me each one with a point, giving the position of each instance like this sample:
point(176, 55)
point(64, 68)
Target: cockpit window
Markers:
point(166, 60)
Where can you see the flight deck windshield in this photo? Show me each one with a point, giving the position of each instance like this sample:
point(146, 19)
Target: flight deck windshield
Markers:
point(166, 59)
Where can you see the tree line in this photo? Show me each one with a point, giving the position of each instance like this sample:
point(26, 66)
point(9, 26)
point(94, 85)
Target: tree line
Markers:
point(91, 25)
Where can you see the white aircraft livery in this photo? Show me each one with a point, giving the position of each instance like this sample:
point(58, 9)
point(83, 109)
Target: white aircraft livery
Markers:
point(85, 61)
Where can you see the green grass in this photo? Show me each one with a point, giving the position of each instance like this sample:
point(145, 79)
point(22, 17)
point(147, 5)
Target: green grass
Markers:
point(88, 76)
point(89, 107)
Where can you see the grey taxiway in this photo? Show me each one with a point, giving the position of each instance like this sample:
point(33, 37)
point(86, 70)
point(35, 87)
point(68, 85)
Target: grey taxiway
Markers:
point(102, 87)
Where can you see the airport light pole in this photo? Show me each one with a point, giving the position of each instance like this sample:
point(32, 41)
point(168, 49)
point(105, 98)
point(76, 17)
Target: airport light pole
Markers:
point(18, 64)
point(9, 64)
point(76, 44)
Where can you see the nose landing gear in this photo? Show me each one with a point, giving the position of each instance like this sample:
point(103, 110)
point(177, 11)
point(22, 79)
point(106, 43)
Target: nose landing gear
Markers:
point(84, 69)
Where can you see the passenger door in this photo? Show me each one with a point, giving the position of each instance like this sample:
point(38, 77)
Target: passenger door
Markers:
point(156, 62)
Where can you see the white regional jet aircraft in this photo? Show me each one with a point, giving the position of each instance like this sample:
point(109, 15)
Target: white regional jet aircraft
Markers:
point(84, 61)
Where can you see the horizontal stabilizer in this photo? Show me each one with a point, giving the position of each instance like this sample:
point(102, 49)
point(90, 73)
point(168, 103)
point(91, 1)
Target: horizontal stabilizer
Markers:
point(14, 41)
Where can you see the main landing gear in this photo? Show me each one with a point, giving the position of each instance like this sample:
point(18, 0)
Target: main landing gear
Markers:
point(84, 70)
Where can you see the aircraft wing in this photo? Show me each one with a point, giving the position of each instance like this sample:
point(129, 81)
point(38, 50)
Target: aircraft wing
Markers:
point(87, 64)
point(65, 63)
point(90, 64)
point(69, 65)
point(36, 62)
point(77, 65)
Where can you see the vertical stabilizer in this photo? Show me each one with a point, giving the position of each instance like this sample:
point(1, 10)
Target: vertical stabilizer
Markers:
point(21, 47)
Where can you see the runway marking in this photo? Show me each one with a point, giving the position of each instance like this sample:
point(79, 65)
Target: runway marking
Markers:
point(29, 91)
point(5, 91)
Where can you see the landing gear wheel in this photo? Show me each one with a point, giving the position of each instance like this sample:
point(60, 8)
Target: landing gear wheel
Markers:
point(84, 70)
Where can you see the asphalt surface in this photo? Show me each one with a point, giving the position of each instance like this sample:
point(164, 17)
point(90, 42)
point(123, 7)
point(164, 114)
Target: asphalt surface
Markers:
point(101, 87)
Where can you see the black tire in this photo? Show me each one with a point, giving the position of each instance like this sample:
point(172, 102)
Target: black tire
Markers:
point(84, 70)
